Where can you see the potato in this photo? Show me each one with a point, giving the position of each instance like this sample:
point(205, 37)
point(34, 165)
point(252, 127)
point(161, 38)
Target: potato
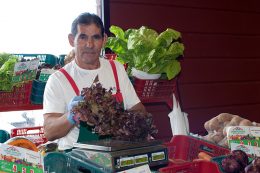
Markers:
point(224, 117)
point(245, 122)
point(206, 126)
point(220, 130)
point(236, 120)
point(214, 124)
point(217, 137)
point(223, 142)
point(208, 137)
point(225, 131)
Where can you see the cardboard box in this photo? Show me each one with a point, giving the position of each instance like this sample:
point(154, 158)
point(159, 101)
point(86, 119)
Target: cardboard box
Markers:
point(251, 150)
point(16, 159)
point(247, 135)
point(25, 71)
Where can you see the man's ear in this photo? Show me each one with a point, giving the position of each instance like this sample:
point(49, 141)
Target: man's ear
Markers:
point(104, 40)
point(71, 39)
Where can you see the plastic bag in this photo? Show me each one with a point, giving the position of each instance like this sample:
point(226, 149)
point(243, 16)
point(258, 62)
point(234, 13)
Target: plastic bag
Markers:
point(178, 119)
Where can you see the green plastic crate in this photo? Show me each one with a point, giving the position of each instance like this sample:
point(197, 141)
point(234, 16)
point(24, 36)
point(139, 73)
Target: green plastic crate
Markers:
point(56, 162)
point(4, 136)
point(37, 92)
point(64, 163)
point(44, 58)
point(219, 159)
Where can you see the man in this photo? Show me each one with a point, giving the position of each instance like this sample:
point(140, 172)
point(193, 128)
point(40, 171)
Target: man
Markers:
point(63, 88)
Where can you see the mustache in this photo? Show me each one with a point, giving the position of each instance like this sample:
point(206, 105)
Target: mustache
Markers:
point(88, 51)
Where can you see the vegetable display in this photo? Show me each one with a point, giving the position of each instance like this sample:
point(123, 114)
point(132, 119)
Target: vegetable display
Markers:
point(236, 162)
point(7, 63)
point(216, 127)
point(108, 117)
point(22, 142)
point(146, 50)
point(253, 167)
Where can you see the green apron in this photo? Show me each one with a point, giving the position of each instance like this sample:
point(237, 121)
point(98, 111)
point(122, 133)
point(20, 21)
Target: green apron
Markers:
point(85, 133)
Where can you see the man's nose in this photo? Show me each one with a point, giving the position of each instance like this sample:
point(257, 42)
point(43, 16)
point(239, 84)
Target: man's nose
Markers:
point(90, 43)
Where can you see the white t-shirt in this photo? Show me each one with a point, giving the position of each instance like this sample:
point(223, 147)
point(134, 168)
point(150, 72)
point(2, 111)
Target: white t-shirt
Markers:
point(59, 92)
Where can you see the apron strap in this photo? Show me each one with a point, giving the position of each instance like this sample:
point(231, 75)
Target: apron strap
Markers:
point(118, 95)
point(72, 82)
point(115, 75)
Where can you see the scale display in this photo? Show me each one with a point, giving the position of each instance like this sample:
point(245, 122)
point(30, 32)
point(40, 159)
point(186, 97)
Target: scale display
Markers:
point(158, 156)
point(128, 161)
point(141, 159)
point(122, 155)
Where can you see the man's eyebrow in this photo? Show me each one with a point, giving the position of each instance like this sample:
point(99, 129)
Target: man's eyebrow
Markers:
point(82, 34)
point(97, 35)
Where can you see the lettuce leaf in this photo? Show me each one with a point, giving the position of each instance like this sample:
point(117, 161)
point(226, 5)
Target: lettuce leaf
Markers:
point(146, 50)
point(7, 62)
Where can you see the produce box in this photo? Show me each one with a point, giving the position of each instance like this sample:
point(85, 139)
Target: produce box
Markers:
point(35, 134)
point(188, 147)
point(18, 96)
point(192, 167)
point(16, 159)
point(155, 90)
point(25, 71)
point(245, 135)
point(248, 149)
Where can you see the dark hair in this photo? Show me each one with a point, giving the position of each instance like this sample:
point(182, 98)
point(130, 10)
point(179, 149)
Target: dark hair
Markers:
point(87, 19)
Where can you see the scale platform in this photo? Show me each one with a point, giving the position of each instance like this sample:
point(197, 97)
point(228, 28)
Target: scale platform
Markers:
point(118, 155)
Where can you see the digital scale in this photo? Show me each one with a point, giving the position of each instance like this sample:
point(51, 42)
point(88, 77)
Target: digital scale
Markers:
point(116, 155)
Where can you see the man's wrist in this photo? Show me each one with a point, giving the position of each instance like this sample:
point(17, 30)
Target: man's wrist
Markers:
point(70, 119)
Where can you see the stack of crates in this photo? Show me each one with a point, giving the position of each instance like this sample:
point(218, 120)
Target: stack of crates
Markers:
point(38, 85)
point(37, 91)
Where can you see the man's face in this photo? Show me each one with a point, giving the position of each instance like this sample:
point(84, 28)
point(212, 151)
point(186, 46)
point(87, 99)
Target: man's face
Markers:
point(87, 44)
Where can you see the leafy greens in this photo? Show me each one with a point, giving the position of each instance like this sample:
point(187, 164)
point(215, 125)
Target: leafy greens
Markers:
point(146, 50)
point(7, 63)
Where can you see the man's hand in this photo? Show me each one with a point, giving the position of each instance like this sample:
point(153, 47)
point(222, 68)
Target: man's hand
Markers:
point(71, 117)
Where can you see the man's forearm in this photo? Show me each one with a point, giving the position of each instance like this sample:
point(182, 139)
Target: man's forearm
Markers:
point(56, 126)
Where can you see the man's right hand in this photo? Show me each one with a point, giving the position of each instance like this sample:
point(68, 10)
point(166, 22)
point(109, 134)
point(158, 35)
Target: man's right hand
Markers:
point(71, 117)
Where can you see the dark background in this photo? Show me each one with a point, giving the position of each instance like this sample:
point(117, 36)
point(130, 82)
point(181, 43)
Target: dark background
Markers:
point(221, 66)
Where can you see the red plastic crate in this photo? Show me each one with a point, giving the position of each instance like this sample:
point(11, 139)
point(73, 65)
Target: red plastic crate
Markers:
point(34, 133)
point(110, 56)
point(188, 147)
point(192, 167)
point(150, 91)
point(19, 96)
point(158, 90)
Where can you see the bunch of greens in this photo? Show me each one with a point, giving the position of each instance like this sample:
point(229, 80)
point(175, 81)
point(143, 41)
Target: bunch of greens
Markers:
point(7, 62)
point(146, 50)
point(108, 117)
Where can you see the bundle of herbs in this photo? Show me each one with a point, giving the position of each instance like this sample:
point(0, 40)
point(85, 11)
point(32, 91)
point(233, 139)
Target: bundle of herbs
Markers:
point(109, 118)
